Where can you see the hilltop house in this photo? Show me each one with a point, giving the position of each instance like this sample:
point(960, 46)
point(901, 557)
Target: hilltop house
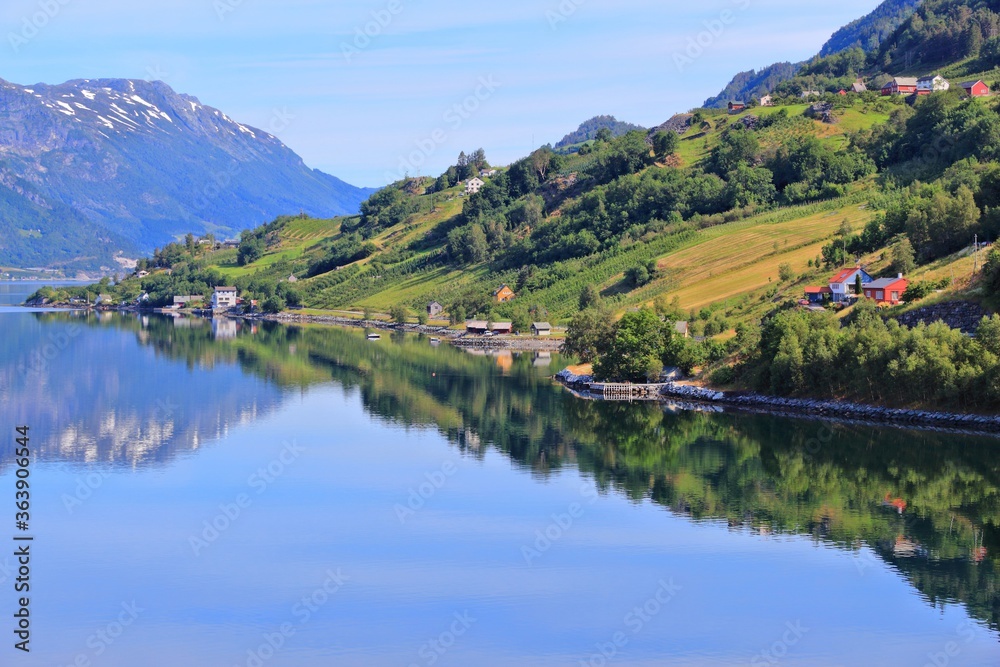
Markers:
point(842, 284)
point(224, 298)
point(292, 278)
point(682, 329)
point(975, 88)
point(434, 309)
point(474, 185)
point(931, 84)
point(489, 173)
point(504, 294)
point(767, 101)
point(888, 291)
point(141, 274)
point(859, 87)
point(900, 85)
point(736, 107)
point(541, 329)
point(806, 94)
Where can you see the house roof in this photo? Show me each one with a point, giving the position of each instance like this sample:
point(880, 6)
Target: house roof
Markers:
point(502, 325)
point(681, 327)
point(905, 81)
point(818, 290)
point(929, 77)
point(845, 275)
point(970, 84)
point(884, 283)
point(225, 289)
point(542, 326)
point(476, 324)
point(434, 303)
point(500, 289)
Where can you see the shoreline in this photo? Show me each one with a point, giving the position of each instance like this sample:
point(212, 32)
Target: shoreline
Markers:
point(817, 410)
point(457, 338)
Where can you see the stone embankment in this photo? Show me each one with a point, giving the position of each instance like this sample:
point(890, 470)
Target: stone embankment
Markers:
point(962, 315)
point(830, 410)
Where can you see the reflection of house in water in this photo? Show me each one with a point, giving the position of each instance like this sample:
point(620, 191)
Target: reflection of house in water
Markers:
point(188, 323)
point(906, 548)
point(223, 327)
point(542, 359)
point(505, 359)
point(898, 503)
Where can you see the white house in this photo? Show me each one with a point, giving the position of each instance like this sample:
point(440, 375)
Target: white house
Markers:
point(489, 173)
point(473, 186)
point(767, 101)
point(842, 284)
point(541, 329)
point(932, 84)
point(223, 298)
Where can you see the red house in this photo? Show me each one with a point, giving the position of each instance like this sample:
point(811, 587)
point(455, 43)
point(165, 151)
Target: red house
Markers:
point(887, 290)
point(975, 88)
point(901, 85)
point(736, 107)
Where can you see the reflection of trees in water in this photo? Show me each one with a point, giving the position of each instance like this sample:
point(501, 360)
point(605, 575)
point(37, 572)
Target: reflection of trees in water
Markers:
point(927, 503)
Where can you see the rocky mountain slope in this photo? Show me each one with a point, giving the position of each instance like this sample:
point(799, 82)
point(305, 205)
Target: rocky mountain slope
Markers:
point(90, 168)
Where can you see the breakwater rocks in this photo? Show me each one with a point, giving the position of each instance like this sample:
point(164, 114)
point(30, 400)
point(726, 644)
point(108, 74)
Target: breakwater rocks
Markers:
point(962, 315)
point(827, 410)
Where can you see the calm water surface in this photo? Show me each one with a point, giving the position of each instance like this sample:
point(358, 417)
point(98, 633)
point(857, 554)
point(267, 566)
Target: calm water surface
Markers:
point(237, 494)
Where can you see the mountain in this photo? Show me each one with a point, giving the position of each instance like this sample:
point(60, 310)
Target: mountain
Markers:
point(962, 34)
point(589, 128)
point(867, 33)
point(93, 168)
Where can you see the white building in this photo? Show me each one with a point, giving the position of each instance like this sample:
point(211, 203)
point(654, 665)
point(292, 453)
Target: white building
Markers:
point(223, 298)
point(767, 101)
point(932, 84)
point(473, 186)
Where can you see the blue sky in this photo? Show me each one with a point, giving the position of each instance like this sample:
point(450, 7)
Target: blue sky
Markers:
point(522, 72)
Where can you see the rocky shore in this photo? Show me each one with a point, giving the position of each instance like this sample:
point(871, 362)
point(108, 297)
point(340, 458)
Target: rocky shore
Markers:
point(813, 409)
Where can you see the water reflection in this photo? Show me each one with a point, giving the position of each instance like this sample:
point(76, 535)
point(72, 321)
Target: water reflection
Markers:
point(137, 390)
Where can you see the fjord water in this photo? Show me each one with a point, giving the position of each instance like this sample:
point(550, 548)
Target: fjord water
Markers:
point(228, 493)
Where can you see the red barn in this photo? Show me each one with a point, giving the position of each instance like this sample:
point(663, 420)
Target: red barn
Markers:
point(975, 89)
point(887, 290)
point(901, 85)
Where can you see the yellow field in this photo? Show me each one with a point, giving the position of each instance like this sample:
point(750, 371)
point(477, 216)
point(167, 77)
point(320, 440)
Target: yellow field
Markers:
point(718, 268)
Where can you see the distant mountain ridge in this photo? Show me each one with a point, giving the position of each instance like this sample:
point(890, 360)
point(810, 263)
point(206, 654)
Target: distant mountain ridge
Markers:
point(868, 33)
point(93, 168)
point(589, 128)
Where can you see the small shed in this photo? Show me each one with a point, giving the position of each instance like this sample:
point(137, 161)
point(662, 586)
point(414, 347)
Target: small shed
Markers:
point(541, 329)
point(683, 329)
point(975, 88)
point(434, 309)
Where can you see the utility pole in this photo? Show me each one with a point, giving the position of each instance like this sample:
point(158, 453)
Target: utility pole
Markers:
point(975, 254)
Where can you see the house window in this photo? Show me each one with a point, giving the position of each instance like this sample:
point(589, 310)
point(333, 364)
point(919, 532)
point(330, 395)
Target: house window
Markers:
point(880, 295)
point(895, 296)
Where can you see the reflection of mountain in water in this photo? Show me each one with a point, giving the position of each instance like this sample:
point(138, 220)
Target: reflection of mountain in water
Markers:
point(94, 395)
point(926, 503)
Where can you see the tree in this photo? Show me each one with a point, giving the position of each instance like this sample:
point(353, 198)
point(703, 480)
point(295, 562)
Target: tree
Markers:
point(636, 348)
point(273, 304)
point(637, 276)
point(665, 143)
point(604, 135)
point(785, 272)
point(903, 256)
point(457, 313)
point(399, 314)
point(589, 297)
point(367, 314)
point(422, 318)
point(588, 334)
point(858, 285)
